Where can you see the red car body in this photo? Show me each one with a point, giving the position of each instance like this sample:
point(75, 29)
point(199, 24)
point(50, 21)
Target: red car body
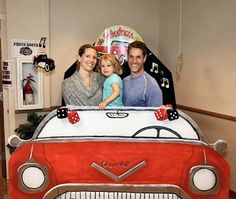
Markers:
point(117, 167)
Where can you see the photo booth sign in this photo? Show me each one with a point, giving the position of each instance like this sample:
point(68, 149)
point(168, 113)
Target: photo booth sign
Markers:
point(24, 48)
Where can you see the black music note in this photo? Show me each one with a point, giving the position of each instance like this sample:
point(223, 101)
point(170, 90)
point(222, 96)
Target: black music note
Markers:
point(154, 65)
point(165, 83)
point(42, 42)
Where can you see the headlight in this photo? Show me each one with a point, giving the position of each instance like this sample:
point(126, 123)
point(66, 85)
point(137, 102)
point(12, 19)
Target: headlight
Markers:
point(204, 179)
point(33, 177)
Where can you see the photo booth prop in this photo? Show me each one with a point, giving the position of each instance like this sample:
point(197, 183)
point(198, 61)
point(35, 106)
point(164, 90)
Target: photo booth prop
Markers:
point(128, 153)
point(42, 60)
point(119, 153)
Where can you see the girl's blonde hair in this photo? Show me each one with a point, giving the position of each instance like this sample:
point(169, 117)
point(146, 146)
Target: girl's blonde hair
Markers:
point(114, 62)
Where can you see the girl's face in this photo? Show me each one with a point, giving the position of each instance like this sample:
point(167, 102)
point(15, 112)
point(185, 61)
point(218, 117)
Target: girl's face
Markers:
point(106, 68)
point(88, 60)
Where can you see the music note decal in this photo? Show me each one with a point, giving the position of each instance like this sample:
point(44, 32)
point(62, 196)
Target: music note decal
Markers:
point(42, 42)
point(154, 65)
point(165, 83)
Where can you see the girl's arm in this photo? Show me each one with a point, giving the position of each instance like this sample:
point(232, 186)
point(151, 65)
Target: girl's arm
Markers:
point(113, 96)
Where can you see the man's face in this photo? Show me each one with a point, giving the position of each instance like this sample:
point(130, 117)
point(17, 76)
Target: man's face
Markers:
point(136, 61)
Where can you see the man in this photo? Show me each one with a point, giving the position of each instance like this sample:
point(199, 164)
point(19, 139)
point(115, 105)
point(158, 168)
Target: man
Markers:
point(140, 88)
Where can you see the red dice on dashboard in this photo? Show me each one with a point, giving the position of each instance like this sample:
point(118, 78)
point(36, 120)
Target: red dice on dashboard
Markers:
point(161, 114)
point(73, 117)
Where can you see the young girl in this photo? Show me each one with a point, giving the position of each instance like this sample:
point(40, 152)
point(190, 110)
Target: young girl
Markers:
point(112, 86)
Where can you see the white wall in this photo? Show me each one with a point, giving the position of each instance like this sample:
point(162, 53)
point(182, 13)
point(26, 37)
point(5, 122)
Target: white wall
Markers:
point(207, 80)
point(28, 20)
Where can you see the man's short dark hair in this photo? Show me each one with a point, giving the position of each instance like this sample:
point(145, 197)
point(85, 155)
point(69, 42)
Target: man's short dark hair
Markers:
point(138, 44)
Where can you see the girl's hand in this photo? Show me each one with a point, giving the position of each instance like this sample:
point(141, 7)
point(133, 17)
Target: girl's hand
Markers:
point(102, 105)
point(114, 95)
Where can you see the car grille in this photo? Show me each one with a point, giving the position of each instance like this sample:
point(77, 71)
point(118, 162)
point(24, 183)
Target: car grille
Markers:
point(116, 191)
point(116, 195)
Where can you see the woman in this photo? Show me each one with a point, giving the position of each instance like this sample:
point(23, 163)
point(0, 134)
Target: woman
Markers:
point(84, 87)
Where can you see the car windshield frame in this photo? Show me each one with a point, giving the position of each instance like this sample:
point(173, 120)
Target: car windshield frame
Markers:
point(51, 126)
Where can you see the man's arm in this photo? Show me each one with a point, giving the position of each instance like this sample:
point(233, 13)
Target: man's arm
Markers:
point(154, 97)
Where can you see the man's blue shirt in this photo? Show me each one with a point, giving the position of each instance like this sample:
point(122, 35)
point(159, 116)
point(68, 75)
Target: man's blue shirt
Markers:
point(142, 91)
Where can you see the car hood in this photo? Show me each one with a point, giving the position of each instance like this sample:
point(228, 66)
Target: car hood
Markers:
point(139, 162)
point(86, 161)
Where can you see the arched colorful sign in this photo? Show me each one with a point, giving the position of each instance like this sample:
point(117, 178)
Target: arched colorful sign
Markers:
point(115, 40)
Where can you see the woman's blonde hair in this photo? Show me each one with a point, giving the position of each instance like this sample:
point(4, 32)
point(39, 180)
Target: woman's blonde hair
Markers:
point(114, 62)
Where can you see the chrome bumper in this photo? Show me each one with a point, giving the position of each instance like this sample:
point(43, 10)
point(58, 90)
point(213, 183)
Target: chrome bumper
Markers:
point(115, 191)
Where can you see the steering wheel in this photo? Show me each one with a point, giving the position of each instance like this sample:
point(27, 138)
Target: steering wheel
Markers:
point(158, 129)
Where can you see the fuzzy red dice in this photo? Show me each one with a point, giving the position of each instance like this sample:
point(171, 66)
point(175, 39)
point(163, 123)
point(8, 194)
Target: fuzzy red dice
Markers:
point(161, 114)
point(73, 117)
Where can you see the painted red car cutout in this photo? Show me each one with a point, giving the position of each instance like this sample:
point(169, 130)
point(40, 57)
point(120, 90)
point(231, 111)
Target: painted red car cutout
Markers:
point(118, 48)
point(121, 153)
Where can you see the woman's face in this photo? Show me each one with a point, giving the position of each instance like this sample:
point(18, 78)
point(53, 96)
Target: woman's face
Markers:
point(88, 60)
